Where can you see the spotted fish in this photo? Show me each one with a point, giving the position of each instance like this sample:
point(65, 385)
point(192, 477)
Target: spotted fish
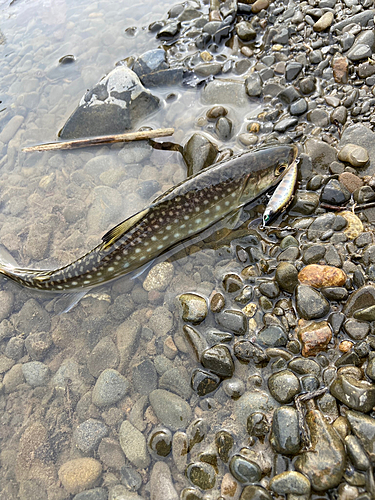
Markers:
point(177, 215)
point(282, 196)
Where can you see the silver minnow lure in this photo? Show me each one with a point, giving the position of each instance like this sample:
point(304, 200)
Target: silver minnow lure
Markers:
point(282, 196)
point(180, 213)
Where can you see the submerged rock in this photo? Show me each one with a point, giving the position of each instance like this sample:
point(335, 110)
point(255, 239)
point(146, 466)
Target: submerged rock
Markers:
point(112, 106)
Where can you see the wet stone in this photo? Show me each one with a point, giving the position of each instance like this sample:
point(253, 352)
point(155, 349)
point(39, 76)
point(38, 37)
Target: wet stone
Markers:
point(246, 351)
point(217, 302)
point(204, 382)
point(357, 394)
point(224, 128)
point(290, 482)
point(110, 388)
point(335, 293)
point(216, 112)
point(319, 276)
point(310, 303)
point(224, 443)
point(111, 455)
point(159, 277)
point(232, 283)
point(255, 492)
point(245, 31)
point(38, 344)
point(202, 475)
point(234, 388)
point(313, 254)
point(334, 193)
point(314, 336)
point(362, 298)
point(356, 330)
point(286, 276)
point(180, 450)
point(244, 470)
point(199, 153)
point(253, 85)
point(363, 426)
point(191, 494)
point(257, 424)
point(233, 320)
point(298, 107)
point(283, 386)
point(160, 442)
point(303, 366)
point(370, 369)
point(93, 494)
point(196, 340)
point(272, 336)
point(357, 156)
point(194, 307)
point(356, 453)
point(324, 465)
point(218, 359)
point(104, 356)
point(340, 115)
point(292, 69)
point(170, 409)
point(88, 435)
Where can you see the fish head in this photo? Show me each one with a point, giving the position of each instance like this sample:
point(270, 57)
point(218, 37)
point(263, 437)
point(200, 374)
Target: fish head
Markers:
point(266, 169)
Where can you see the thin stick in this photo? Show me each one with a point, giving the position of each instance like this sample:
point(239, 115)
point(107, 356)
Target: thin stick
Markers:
point(104, 139)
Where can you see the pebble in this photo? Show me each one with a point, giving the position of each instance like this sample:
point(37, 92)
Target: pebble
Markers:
point(324, 22)
point(324, 465)
point(255, 492)
point(218, 360)
point(38, 344)
point(290, 482)
point(357, 394)
point(233, 320)
point(88, 435)
point(354, 227)
point(319, 276)
point(244, 470)
point(314, 336)
point(334, 193)
point(111, 454)
point(356, 330)
point(286, 276)
point(110, 388)
point(133, 444)
point(202, 475)
point(36, 373)
point(224, 443)
point(363, 426)
point(180, 450)
point(229, 487)
point(159, 277)
point(80, 474)
point(272, 336)
point(356, 156)
point(199, 153)
point(161, 484)
point(283, 386)
point(310, 303)
point(144, 377)
point(170, 409)
point(285, 435)
point(194, 308)
point(204, 382)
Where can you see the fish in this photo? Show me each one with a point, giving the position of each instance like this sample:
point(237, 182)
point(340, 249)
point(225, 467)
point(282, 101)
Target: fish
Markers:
point(282, 196)
point(177, 215)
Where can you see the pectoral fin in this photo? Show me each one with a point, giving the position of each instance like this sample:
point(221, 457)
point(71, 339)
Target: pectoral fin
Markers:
point(118, 231)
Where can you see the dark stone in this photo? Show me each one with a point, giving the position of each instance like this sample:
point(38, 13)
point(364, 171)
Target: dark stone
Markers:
point(244, 470)
point(199, 153)
point(334, 193)
point(257, 424)
point(285, 436)
point(357, 394)
point(224, 443)
point(310, 303)
point(283, 386)
point(160, 442)
point(255, 492)
point(219, 360)
point(113, 106)
point(233, 320)
point(204, 382)
point(245, 351)
point(272, 336)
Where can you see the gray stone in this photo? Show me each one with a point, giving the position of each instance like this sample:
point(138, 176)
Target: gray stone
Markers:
point(334, 193)
point(361, 18)
point(298, 107)
point(110, 388)
point(32, 318)
point(233, 320)
point(113, 106)
point(133, 444)
point(88, 435)
point(363, 426)
point(285, 123)
point(38, 344)
point(286, 276)
point(359, 52)
point(283, 386)
point(290, 483)
point(356, 453)
point(15, 348)
point(356, 330)
point(35, 373)
point(224, 128)
point(357, 394)
point(285, 435)
point(310, 303)
point(218, 360)
point(111, 454)
point(322, 155)
point(194, 307)
point(272, 336)
point(6, 304)
point(244, 470)
point(170, 409)
point(361, 135)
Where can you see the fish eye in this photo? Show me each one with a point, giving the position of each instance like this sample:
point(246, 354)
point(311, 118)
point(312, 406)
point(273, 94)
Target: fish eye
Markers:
point(280, 169)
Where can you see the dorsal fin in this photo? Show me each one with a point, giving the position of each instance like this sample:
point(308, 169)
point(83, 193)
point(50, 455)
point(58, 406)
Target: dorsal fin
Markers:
point(118, 231)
